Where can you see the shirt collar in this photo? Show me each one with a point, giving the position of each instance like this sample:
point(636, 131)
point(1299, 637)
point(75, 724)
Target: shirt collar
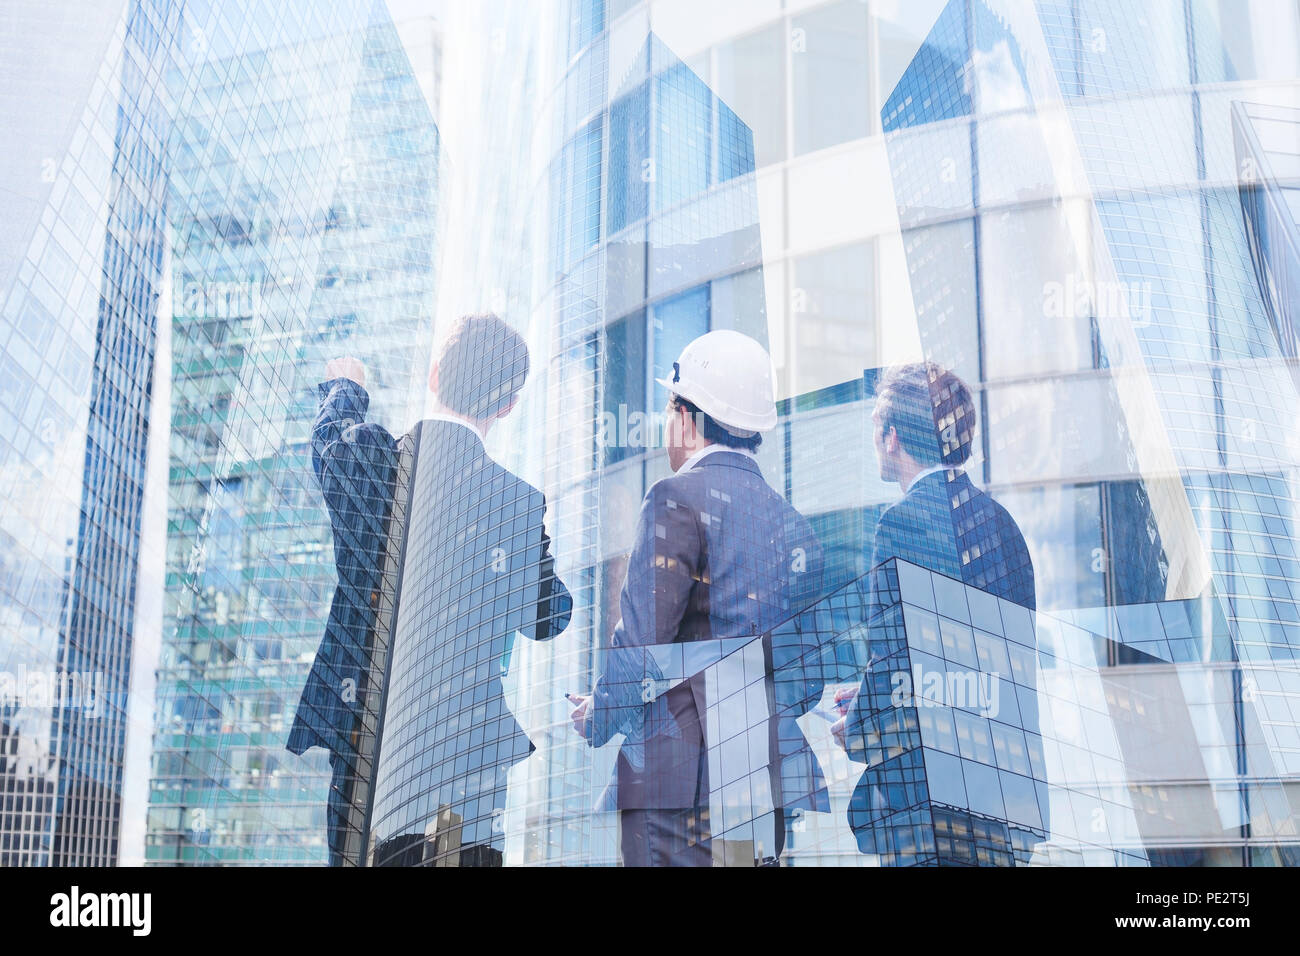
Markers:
point(442, 417)
point(694, 460)
point(923, 473)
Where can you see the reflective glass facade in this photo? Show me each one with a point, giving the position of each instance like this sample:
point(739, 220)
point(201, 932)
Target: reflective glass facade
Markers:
point(85, 250)
point(1148, 306)
point(365, 582)
point(304, 209)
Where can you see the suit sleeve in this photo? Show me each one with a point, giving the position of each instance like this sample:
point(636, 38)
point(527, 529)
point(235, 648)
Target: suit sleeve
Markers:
point(354, 465)
point(868, 643)
point(343, 405)
point(346, 450)
point(872, 595)
point(800, 660)
point(544, 605)
point(662, 569)
point(349, 455)
point(883, 547)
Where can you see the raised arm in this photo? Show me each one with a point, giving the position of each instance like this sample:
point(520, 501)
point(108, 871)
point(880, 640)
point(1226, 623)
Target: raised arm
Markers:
point(354, 460)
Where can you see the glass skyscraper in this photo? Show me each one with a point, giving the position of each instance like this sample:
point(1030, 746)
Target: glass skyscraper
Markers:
point(86, 241)
point(304, 210)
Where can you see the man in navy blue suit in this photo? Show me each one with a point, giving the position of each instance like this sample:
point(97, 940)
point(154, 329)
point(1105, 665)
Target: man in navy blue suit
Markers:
point(476, 570)
point(924, 423)
point(722, 560)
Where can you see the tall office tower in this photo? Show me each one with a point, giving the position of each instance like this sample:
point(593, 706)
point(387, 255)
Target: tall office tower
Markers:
point(1066, 266)
point(81, 277)
point(305, 189)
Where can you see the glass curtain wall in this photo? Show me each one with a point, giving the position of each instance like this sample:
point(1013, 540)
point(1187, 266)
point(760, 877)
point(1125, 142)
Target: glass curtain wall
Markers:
point(1061, 627)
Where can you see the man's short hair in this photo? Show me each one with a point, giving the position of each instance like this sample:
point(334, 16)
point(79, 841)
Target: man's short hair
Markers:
point(482, 366)
point(932, 411)
point(714, 432)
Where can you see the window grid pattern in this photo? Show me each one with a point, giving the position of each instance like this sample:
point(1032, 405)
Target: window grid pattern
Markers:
point(304, 176)
point(78, 332)
point(1168, 226)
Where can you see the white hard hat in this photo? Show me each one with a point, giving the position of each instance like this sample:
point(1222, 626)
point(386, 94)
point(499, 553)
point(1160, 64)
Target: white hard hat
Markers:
point(728, 376)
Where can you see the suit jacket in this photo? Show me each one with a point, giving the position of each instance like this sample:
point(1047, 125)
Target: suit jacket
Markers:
point(718, 555)
point(945, 524)
point(476, 569)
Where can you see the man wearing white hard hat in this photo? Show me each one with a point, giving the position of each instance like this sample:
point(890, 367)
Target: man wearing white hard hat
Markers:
point(718, 557)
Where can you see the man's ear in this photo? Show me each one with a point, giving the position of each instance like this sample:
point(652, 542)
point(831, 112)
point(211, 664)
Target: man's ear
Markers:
point(433, 379)
point(891, 440)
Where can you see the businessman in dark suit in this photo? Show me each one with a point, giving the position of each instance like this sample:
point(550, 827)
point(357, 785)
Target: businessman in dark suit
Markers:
point(718, 556)
point(355, 466)
point(924, 422)
point(476, 570)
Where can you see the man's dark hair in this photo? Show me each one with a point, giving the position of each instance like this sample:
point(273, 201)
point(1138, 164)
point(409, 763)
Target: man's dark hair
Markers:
point(932, 411)
point(714, 432)
point(482, 366)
